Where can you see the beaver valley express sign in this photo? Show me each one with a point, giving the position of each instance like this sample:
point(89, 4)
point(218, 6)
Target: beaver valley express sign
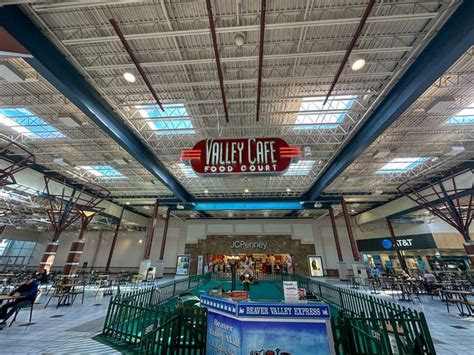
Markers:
point(240, 156)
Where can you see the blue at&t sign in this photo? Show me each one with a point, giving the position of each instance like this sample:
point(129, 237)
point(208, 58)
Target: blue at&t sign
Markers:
point(387, 244)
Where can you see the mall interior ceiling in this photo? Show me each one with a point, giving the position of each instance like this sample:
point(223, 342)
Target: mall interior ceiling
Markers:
point(111, 93)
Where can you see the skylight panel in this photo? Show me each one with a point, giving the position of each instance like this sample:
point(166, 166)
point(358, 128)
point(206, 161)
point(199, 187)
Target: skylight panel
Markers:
point(314, 115)
point(23, 188)
point(465, 116)
point(24, 121)
point(173, 120)
point(187, 170)
point(400, 165)
point(103, 171)
point(301, 168)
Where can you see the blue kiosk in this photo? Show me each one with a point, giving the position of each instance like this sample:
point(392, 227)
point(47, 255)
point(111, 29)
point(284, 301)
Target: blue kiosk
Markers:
point(267, 328)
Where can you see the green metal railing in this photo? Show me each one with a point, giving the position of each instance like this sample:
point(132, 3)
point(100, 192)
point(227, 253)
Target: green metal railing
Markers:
point(182, 332)
point(132, 315)
point(370, 325)
point(361, 324)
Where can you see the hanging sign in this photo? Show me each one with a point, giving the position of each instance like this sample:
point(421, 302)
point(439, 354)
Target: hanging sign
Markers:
point(200, 264)
point(240, 156)
point(290, 291)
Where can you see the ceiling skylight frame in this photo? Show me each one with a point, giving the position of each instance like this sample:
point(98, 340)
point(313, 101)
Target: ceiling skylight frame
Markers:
point(105, 172)
point(401, 165)
point(25, 122)
point(187, 170)
point(313, 115)
point(174, 120)
point(463, 117)
point(300, 168)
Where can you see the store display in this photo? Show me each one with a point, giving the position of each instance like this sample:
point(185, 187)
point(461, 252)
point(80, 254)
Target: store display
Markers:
point(182, 264)
point(260, 263)
point(200, 264)
point(267, 328)
point(316, 265)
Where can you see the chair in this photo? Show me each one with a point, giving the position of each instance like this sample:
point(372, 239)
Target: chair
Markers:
point(76, 291)
point(25, 304)
point(61, 293)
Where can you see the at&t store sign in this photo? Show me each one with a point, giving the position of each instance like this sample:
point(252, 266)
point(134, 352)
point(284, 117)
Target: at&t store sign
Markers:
point(240, 156)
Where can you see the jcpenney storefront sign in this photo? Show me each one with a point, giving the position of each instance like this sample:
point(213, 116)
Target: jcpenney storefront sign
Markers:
point(407, 242)
point(240, 156)
point(240, 244)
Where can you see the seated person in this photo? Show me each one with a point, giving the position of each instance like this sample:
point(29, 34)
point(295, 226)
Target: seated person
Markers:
point(429, 281)
point(375, 272)
point(43, 277)
point(429, 277)
point(26, 291)
point(405, 275)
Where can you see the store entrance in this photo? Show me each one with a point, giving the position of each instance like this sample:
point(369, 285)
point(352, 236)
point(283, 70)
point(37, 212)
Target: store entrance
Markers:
point(260, 264)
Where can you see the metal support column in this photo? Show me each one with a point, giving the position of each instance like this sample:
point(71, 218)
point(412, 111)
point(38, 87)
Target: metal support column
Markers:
point(77, 246)
point(151, 231)
point(347, 218)
point(114, 240)
point(99, 242)
point(336, 236)
point(400, 257)
point(165, 234)
point(456, 216)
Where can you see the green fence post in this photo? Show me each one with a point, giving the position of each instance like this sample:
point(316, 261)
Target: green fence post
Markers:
point(341, 299)
point(150, 301)
point(426, 333)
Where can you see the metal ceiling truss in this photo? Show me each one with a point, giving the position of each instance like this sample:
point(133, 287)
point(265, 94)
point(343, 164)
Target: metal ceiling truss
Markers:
point(436, 58)
point(304, 43)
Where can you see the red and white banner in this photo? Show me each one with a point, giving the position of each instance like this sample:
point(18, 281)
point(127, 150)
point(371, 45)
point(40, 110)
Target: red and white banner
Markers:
point(240, 156)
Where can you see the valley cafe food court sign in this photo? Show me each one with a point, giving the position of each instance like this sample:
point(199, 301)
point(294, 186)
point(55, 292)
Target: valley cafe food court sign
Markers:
point(240, 156)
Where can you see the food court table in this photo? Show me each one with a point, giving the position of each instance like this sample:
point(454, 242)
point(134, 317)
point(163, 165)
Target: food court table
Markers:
point(5, 297)
point(236, 328)
point(461, 300)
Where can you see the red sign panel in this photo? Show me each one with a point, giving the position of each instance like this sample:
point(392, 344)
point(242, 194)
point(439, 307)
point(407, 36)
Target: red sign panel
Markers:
point(240, 156)
point(240, 294)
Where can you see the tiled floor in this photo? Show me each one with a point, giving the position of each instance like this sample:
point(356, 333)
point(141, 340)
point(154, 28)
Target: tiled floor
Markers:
point(66, 330)
point(451, 333)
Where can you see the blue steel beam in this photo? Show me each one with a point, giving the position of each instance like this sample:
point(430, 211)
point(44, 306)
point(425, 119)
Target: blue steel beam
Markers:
point(54, 67)
point(249, 205)
point(220, 206)
point(452, 41)
point(235, 205)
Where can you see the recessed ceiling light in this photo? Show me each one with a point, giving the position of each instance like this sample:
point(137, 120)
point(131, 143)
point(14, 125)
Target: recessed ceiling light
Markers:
point(206, 191)
point(127, 203)
point(353, 210)
point(140, 241)
point(129, 77)
point(239, 39)
point(288, 190)
point(356, 61)
point(246, 191)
